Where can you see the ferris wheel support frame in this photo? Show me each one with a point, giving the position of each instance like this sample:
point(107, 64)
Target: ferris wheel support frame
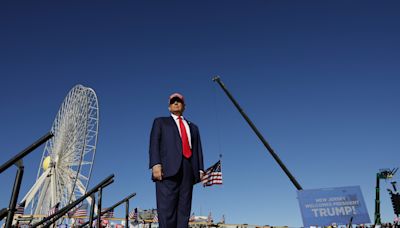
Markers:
point(54, 217)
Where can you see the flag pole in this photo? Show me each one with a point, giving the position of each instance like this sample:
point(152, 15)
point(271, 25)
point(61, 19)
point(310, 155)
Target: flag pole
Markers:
point(266, 144)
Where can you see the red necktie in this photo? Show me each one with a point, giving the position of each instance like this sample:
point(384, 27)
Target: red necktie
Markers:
point(187, 152)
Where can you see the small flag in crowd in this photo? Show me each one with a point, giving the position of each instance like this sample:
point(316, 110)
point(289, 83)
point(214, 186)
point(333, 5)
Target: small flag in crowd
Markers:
point(81, 210)
point(155, 219)
point(78, 209)
point(134, 214)
point(20, 208)
point(109, 214)
point(213, 175)
point(53, 210)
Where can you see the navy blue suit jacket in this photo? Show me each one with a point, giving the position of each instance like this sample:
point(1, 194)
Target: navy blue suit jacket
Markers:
point(166, 147)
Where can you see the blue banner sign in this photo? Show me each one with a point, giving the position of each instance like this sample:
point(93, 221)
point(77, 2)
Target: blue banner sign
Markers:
point(327, 206)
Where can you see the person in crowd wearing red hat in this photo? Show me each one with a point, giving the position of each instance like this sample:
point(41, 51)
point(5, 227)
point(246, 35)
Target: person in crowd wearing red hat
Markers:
point(176, 161)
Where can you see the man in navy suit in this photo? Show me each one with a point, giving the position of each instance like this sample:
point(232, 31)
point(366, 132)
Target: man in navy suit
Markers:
point(176, 161)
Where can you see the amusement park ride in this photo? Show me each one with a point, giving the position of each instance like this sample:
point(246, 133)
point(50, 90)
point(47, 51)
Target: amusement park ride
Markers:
point(68, 157)
point(67, 160)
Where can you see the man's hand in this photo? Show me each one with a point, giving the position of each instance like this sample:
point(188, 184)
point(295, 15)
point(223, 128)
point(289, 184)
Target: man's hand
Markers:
point(157, 172)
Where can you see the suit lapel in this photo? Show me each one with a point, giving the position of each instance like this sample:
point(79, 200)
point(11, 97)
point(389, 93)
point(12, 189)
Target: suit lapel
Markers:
point(178, 139)
point(192, 132)
point(173, 123)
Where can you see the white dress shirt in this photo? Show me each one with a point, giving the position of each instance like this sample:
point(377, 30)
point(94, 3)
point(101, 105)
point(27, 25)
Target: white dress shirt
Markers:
point(186, 126)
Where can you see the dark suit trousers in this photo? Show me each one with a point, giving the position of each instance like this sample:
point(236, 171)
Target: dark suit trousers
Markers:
point(174, 197)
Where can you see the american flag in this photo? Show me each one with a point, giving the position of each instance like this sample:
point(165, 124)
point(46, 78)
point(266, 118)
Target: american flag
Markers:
point(20, 208)
point(109, 214)
point(155, 219)
point(213, 175)
point(53, 210)
point(134, 214)
point(78, 210)
point(81, 210)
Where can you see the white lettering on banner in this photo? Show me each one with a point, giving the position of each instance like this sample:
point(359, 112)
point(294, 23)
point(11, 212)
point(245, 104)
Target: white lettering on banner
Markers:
point(338, 198)
point(334, 211)
point(346, 203)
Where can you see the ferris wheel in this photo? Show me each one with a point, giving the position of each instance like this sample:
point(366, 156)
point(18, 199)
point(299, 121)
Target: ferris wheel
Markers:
point(68, 157)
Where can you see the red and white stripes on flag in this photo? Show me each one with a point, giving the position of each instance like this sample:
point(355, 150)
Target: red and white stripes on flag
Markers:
point(20, 209)
point(109, 214)
point(213, 175)
point(53, 210)
point(134, 214)
point(81, 211)
point(155, 219)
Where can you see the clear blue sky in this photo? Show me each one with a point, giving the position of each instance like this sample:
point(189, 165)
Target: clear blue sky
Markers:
point(320, 79)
